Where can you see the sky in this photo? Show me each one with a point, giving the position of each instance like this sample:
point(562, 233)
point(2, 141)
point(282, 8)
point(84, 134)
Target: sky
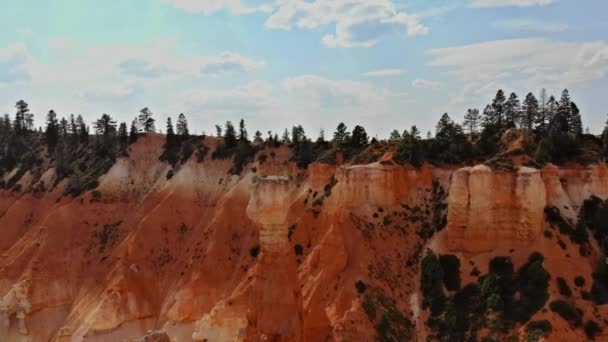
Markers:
point(383, 64)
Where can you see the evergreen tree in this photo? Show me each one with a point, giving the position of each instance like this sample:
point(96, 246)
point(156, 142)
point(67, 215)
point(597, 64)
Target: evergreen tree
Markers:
point(498, 108)
point(359, 137)
point(512, 110)
point(542, 119)
point(409, 148)
point(146, 121)
point(488, 117)
point(530, 112)
point(395, 136)
point(297, 135)
point(471, 120)
point(550, 111)
point(576, 123)
point(24, 120)
point(258, 137)
point(218, 130)
point(63, 128)
point(123, 135)
point(5, 125)
point(133, 131)
point(170, 132)
point(72, 127)
point(229, 135)
point(182, 126)
point(243, 136)
point(52, 130)
point(341, 136)
point(321, 138)
point(285, 138)
point(562, 115)
point(82, 130)
point(105, 126)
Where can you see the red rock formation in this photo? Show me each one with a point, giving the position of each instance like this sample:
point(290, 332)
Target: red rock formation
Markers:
point(146, 252)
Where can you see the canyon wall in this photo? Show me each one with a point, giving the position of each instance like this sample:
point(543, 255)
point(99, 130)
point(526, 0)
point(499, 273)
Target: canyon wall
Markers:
point(273, 254)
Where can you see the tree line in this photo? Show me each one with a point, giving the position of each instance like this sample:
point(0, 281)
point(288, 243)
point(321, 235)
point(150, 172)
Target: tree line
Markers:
point(553, 129)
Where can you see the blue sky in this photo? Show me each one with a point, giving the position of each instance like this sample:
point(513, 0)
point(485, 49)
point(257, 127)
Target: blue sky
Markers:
point(385, 64)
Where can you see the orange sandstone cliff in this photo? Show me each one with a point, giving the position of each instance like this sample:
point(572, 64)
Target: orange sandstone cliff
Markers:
point(271, 255)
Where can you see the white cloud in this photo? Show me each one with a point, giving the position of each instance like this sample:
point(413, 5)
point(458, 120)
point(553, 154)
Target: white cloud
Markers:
point(426, 84)
point(358, 23)
point(251, 98)
point(108, 92)
point(383, 73)
point(327, 93)
point(533, 60)
point(531, 25)
point(13, 64)
point(508, 3)
point(520, 65)
point(211, 6)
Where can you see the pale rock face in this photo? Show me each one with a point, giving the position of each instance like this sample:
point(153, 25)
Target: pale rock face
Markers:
point(486, 207)
point(270, 200)
point(567, 189)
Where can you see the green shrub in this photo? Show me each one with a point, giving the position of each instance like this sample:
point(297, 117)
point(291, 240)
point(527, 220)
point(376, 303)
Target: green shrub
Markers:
point(579, 281)
point(535, 330)
point(360, 285)
point(501, 266)
point(567, 311)
point(450, 264)
point(563, 287)
point(298, 249)
point(431, 284)
point(592, 329)
point(254, 251)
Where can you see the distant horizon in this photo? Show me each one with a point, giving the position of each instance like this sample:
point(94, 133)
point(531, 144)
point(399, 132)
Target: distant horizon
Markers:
point(383, 64)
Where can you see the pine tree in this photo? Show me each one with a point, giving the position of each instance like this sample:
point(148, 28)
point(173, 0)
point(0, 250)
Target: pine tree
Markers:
point(243, 136)
point(395, 136)
point(105, 126)
point(257, 138)
point(52, 131)
point(24, 120)
point(488, 117)
point(229, 135)
point(218, 130)
point(542, 120)
point(471, 120)
point(146, 121)
point(170, 132)
point(321, 138)
point(576, 123)
point(359, 137)
point(182, 126)
point(498, 108)
point(63, 128)
point(73, 129)
point(123, 135)
point(550, 111)
point(341, 136)
point(82, 131)
point(512, 110)
point(297, 135)
point(285, 138)
point(562, 117)
point(530, 112)
point(5, 125)
point(133, 131)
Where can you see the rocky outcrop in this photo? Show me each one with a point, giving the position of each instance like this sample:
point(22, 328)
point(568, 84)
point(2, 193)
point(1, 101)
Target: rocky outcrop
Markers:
point(272, 254)
point(487, 208)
